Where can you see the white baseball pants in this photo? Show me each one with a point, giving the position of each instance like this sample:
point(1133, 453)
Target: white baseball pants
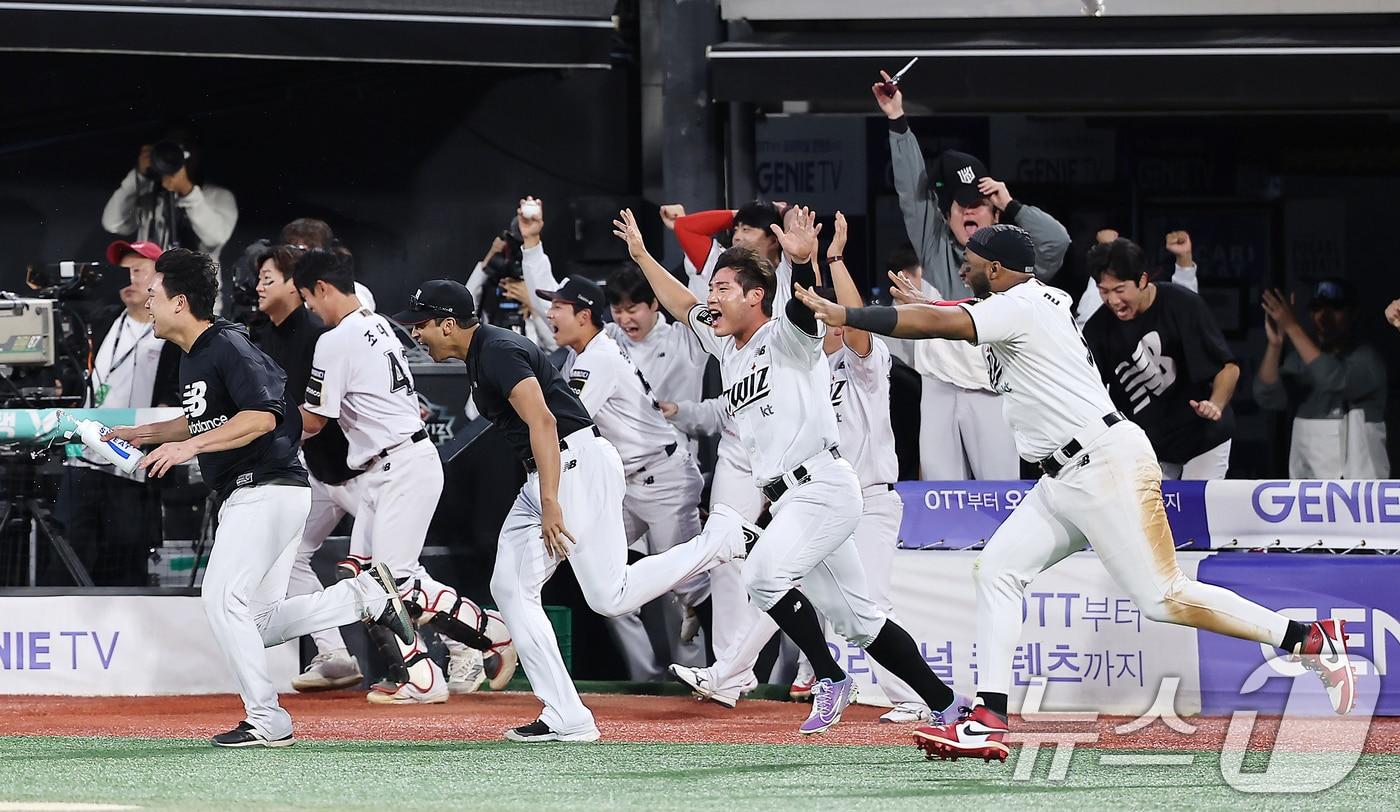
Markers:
point(662, 503)
point(245, 590)
point(962, 434)
point(591, 492)
point(1113, 500)
point(329, 504)
point(1212, 464)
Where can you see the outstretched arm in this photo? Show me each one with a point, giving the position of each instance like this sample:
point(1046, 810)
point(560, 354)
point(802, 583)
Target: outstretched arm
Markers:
point(904, 321)
point(675, 297)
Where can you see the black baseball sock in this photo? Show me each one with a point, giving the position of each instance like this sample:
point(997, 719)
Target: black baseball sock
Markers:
point(994, 702)
point(896, 650)
point(798, 620)
point(1293, 638)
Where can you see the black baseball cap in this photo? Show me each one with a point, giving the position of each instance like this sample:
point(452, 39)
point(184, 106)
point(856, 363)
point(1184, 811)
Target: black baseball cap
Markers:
point(576, 290)
point(1335, 293)
point(1007, 244)
point(957, 176)
point(440, 299)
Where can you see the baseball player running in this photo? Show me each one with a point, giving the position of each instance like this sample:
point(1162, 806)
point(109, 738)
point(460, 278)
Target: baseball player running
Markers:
point(779, 390)
point(237, 422)
point(574, 475)
point(1102, 485)
point(360, 377)
point(663, 482)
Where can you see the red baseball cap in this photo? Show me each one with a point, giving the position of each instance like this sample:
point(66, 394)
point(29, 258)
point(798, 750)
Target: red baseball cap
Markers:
point(121, 248)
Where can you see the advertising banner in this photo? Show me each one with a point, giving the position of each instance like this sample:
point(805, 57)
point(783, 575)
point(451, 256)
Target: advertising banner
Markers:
point(118, 645)
point(956, 515)
point(1079, 631)
point(1303, 513)
point(1358, 589)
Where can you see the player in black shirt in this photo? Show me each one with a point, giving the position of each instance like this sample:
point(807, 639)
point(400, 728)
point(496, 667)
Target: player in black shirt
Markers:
point(238, 423)
point(1165, 363)
point(574, 474)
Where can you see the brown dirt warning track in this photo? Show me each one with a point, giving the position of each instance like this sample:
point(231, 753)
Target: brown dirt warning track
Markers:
point(345, 715)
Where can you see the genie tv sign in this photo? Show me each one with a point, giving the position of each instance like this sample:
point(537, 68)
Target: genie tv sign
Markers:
point(1332, 514)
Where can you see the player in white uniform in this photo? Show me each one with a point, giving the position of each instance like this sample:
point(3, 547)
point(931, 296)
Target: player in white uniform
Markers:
point(359, 376)
point(574, 475)
point(778, 385)
point(663, 482)
point(1102, 485)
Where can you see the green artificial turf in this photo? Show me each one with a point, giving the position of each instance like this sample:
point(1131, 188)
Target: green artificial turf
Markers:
point(188, 774)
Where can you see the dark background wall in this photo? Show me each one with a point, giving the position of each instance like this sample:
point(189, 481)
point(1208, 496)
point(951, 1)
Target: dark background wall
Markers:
point(416, 167)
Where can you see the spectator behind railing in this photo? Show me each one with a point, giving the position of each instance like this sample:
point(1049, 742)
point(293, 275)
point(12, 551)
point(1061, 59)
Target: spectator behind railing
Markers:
point(1336, 383)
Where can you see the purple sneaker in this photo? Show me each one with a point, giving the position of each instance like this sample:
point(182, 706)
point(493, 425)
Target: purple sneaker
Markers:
point(829, 699)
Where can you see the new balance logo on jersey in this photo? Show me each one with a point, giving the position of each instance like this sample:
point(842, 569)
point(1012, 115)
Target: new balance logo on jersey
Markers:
point(201, 426)
point(1149, 373)
point(748, 391)
point(195, 403)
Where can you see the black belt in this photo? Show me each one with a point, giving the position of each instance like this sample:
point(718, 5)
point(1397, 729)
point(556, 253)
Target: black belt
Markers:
point(775, 488)
point(418, 437)
point(1071, 449)
point(670, 450)
point(530, 466)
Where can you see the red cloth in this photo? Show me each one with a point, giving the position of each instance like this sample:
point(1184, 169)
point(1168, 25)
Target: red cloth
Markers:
point(697, 231)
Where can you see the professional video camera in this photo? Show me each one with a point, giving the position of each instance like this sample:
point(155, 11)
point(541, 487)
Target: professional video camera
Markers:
point(242, 303)
point(496, 308)
point(45, 341)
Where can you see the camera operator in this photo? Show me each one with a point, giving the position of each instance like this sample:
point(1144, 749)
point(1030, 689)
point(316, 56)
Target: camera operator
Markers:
point(163, 200)
point(113, 519)
point(505, 280)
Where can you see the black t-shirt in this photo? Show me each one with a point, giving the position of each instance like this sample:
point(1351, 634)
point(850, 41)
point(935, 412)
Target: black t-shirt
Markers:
point(292, 344)
point(499, 359)
point(1156, 364)
point(224, 374)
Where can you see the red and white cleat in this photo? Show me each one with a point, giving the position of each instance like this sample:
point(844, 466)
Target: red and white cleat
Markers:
point(1324, 652)
point(978, 733)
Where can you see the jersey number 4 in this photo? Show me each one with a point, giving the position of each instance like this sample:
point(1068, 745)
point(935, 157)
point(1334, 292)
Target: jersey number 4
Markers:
point(398, 377)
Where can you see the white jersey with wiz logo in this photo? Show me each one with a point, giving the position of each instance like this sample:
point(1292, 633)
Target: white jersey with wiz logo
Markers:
point(360, 376)
point(619, 400)
point(1038, 362)
point(778, 388)
point(860, 394)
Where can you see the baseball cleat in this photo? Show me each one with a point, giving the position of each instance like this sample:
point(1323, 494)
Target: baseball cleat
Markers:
point(538, 731)
point(701, 682)
point(395, 616)
point(245, 735)
point(1324, 652)
point(466, 670)
point(829, 700)
point(801, 690)
point(978, 733)
point(501, 660)
point(392, 693)
point(329, 671)
point(749, 533)
point(906, 713)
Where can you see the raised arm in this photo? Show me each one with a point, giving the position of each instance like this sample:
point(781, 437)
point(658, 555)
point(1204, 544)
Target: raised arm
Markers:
point(847, 294)
point(904, 321)
point(675, 297)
